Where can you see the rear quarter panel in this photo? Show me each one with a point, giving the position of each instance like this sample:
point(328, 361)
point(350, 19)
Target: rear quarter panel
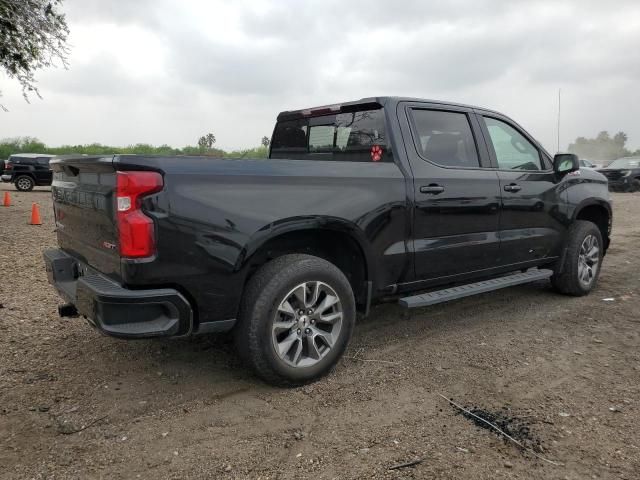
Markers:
point(214, 214)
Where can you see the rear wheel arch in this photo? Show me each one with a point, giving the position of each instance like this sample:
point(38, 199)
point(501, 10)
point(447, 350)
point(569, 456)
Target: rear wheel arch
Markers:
point(339, 247)
point(271, 336)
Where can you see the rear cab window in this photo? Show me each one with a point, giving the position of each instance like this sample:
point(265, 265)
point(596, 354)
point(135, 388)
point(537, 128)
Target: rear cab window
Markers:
point(358, 136)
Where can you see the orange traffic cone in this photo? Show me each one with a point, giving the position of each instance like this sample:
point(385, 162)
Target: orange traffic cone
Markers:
point(35, 215)
point(7, 200)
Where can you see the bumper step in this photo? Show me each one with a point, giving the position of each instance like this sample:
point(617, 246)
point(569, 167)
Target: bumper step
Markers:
point(461, 291)
point(112, 308)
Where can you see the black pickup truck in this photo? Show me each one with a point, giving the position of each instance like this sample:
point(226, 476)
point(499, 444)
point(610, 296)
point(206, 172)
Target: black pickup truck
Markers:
point(378, 199)
point(27, 170)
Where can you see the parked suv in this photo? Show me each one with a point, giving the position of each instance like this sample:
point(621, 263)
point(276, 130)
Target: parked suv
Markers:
point(623, 174)
point(27, 170)
point(361, 202)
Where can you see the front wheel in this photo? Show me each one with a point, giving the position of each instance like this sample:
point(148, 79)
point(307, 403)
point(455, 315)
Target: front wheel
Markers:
point(24, 183)
point(579, 272)
point(296, 319)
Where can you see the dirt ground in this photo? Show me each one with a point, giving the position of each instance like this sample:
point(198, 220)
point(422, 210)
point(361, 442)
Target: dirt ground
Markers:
point(77, 404)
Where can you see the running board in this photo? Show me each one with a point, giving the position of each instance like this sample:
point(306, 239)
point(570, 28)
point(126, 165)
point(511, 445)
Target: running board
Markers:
point(469, 289)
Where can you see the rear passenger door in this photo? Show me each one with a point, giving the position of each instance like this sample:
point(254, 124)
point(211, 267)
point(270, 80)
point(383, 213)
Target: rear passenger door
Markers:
point(530, 228)
point(456, 206)
point(42, 170)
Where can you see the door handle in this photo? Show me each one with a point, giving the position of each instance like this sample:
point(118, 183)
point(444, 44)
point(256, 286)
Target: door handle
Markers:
point(432, 189)
point(512, 188)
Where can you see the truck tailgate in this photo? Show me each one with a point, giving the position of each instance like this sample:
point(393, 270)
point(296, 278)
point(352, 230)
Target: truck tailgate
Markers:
point(83, 192)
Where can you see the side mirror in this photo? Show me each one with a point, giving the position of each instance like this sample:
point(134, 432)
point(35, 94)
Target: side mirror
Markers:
point(564, 163)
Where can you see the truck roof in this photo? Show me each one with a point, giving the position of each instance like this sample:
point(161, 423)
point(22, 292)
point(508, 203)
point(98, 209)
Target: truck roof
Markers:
point(368, 102)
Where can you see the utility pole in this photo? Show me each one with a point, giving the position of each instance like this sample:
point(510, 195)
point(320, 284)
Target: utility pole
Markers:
point(559, 93)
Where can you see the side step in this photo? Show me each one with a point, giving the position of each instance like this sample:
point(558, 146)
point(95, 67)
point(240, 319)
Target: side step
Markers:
point(469, 289)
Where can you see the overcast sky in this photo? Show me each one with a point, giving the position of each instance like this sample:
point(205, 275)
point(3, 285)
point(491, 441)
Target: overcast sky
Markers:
point(168, 71)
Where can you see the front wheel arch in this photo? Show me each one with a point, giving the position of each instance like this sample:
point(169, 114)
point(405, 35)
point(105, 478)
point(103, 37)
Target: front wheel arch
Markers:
point(600, 216)
point(566, 277)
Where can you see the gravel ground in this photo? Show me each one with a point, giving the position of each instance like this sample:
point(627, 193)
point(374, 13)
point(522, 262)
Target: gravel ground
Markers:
point(76, 404)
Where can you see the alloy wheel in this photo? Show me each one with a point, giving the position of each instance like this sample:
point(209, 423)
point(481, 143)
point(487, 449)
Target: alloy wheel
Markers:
point(588, 260)
point(24, 184)
point(307, 324)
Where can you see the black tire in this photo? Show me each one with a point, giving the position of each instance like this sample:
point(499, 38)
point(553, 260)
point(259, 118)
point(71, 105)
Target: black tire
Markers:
point(265, 291)
point(566, 279)
point(24, 183)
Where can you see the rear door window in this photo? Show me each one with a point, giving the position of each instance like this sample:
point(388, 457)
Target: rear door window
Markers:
point(351, 136)
point(445, 138)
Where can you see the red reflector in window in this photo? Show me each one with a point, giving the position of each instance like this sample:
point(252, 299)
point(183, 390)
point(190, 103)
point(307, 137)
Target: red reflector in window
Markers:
point(376, 153)
point(136, 231)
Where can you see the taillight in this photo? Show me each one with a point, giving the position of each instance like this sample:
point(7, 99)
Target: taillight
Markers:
point(8, 166)
point(135, 230)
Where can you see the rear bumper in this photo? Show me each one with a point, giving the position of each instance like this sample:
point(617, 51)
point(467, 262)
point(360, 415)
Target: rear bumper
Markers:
point(113, 309)
point(5, 178)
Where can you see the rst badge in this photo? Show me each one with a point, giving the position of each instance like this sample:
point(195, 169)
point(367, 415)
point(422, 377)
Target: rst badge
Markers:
point(109, 245)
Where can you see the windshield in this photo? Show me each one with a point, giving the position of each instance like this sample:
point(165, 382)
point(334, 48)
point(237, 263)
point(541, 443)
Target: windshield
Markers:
point(625, 163)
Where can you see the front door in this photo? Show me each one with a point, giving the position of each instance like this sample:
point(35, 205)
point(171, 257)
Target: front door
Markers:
point(456, 207)
point(530, 227)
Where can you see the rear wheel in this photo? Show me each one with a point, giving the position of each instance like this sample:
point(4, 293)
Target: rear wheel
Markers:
point(24, 183)
point(579, 273)
point(296, 319)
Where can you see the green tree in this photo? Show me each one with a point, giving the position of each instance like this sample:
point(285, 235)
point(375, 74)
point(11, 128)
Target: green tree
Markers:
point(9, 146)
point(258, 152)
point(265, 142)
point(33, 35)
point(206, 142)
point(603, 147)
point(20, 145)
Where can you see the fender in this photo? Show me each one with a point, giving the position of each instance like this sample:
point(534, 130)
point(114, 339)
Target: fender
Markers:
point(587, 189)
point(599, 203)
point(592, 201)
